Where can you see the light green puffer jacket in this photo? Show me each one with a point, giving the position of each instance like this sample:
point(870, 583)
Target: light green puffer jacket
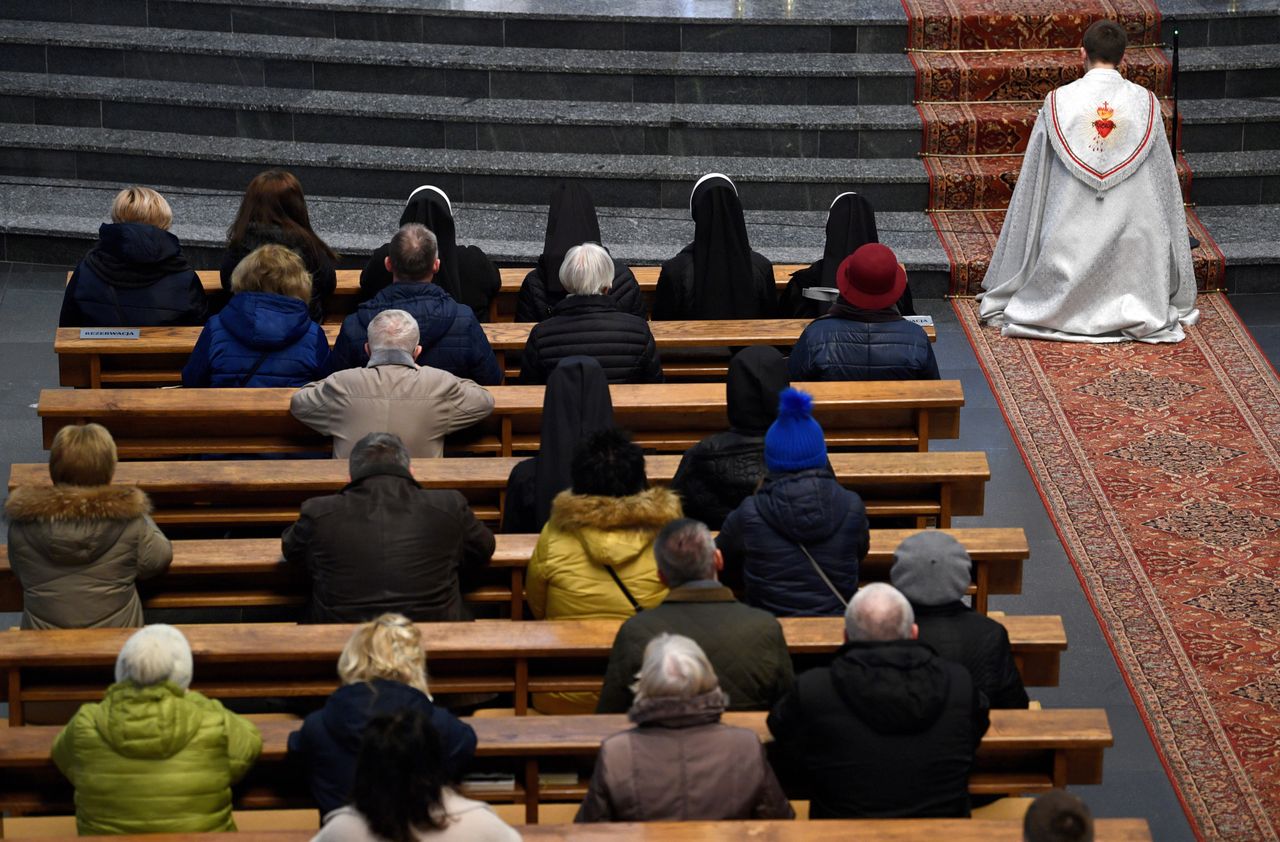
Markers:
point(155, 760)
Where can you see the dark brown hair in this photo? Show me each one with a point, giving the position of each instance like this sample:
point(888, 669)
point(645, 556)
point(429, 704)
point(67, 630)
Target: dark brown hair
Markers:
point(1058, 816)
point(1105, 41)
point(400, 777)
point(274, 198)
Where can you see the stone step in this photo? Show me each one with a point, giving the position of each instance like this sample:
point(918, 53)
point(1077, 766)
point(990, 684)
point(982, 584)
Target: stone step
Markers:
point(809, 131)
point(1220, 23)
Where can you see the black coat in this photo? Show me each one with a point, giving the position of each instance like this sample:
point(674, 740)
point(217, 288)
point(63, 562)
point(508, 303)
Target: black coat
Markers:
point(135, 276)
point(326, 747)
point(889, 730)
point(979, 644)
point(385, 544)
point(674, 296)
point(591, 326)
point(324, 272)
point(536, 300)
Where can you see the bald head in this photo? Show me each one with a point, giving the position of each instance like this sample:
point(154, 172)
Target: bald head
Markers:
point(879, 613)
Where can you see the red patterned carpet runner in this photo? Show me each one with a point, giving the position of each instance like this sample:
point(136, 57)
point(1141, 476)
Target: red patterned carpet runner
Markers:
point(1159, 467)
point(983, 67)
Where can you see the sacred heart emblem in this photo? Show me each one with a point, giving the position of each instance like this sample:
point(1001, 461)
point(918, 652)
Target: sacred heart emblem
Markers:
point(1104, 124)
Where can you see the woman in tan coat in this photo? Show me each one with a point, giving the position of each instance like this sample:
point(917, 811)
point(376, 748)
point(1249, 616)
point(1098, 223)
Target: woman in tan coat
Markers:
point(78, 546)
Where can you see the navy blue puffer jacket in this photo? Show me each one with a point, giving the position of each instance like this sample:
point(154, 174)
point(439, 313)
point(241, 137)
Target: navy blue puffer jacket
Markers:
point(135, 276)
point(259, 339)
point(451, 337)
point(833, 348)
point(762, 538)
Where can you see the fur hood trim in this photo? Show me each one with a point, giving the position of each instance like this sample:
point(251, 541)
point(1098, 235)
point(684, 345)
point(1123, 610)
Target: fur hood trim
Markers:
point(653, 509)
point(76, 502)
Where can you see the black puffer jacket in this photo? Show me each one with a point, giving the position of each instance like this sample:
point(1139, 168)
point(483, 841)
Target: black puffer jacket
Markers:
point(717, 474)
point(536, 302)
point(979, 644)
point(591, 326)
point(762, 538)
point(889, 730)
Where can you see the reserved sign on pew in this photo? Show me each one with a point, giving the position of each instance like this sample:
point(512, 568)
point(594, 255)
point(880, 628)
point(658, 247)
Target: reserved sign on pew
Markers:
point(110, 333)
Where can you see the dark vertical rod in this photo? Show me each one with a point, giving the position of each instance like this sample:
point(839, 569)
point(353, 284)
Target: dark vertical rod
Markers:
point(1176, 139)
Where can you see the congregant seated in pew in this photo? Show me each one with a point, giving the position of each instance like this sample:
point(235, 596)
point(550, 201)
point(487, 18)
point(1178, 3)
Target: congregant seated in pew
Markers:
point(154, 756)
point(1058, 816)
point(383, 543)
point(587, 322)
point(383, 669)
point(657, 771)
point(265, 335)
point(78, 546)
point(745, 645)
point(392, 394)
point(594, 558)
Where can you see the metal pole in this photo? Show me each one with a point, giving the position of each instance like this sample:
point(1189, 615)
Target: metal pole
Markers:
point(1176, 139)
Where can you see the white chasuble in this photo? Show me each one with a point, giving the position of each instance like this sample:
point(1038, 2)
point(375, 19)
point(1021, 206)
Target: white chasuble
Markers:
point(1094, 246)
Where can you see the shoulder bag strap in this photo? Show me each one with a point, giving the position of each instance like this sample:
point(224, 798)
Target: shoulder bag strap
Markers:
point(257, 365)
point(822, 573)
point(618, 581)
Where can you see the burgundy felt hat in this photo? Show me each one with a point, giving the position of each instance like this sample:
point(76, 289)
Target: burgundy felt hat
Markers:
point(871, 278)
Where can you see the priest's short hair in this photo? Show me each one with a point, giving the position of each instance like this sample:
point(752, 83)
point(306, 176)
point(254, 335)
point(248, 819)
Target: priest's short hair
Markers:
point(1104, 41)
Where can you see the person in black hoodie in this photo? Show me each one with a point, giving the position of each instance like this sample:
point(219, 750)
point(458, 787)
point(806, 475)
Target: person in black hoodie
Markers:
point(466, 272)
point(575, 405)
point(383, 670)
point(933, 571)
point(571, 221)
point(274, 211)
point(717, 276)
point(136, 275)
point(889, 729)
point(722, 470)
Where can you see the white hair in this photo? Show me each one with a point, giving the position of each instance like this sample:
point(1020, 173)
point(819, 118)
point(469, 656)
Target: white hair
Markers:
point(879, 612)
point(586, 270)
point(393, 330)
point(675, 666)
point(153, 655)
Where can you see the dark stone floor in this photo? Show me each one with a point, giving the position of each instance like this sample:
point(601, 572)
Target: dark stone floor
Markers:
point(1135, 781)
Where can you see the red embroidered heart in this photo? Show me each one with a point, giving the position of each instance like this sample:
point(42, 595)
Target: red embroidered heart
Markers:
point(1104, 127)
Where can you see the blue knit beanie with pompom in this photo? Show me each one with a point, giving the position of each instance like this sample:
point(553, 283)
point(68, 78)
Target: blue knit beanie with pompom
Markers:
point(795, 441)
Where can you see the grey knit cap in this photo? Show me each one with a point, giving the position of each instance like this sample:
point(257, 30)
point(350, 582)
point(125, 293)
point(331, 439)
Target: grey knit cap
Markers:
point(931, 568)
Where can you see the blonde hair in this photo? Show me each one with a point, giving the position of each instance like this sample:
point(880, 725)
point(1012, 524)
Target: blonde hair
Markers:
point(141, 204)
point(153, 655)
point(273, 268)
point(390, 648)
point(674, 666)
point(82, 455)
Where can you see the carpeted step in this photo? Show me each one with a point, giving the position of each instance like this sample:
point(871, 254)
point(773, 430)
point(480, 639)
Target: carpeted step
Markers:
point(1001, 76)
point(1021, 24)
point(988, 128)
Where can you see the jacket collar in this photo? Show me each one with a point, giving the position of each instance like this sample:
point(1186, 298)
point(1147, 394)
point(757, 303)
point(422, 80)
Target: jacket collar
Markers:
point(391, 356)
point(946, 609)
point(584, 304)
point(842, 309)
point(381, 471)
point(695, 593)
point(672, 712)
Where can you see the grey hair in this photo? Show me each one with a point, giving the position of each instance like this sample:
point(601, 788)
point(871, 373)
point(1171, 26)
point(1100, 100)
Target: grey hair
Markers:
point(393, 330)
point(375, 451)
point(586, 270)
point(674, 666)
point(153, 655)
point(685, 551)
point(878, 612)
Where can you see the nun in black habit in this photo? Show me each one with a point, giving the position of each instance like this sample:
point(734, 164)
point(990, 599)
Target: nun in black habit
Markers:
point(722, 470)
point(466, 272)
point(576, 404)
point(571, 221)
point(851, 223)
point(717, 276)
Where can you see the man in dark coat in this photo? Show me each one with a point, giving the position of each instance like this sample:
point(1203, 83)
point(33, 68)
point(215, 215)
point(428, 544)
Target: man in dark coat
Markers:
point(384, 544)
point(588, 323)
point(933, 571)
point(745, 645)
point(451, 337)
point(890, 729)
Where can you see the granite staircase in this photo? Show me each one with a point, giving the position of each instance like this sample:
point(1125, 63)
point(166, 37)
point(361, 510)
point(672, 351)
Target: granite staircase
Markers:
point(365, 100)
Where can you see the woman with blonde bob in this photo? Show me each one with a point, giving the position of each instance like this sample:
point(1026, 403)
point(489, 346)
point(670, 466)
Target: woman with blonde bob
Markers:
point(77, 546)
point(383, 670)
point(136, 275)
point(264, 336)
point(154, 756)
point(672, 765)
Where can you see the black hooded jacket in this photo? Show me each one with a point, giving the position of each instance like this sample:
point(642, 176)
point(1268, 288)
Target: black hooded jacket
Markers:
point(576, 404)
point(979, 644)
point(889, 730)
point(722, 470)
point(324, 272)
point(135, 276)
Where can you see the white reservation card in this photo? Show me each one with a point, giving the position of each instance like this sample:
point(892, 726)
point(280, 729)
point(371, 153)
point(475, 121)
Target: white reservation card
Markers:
point(110, 333)
point(923, 321)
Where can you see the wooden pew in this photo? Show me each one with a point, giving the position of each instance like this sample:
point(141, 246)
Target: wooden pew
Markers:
point(1024, 751)
point(667, 417)
point(269, 660)
point(157, 355)
point(243, 572)
point(936, 485)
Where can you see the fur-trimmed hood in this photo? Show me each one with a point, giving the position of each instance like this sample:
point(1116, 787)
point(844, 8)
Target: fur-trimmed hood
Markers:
point(76, 502)
point(651, 509)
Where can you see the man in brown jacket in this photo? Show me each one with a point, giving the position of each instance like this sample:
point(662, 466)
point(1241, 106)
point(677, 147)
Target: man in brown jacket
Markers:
point(392, 394)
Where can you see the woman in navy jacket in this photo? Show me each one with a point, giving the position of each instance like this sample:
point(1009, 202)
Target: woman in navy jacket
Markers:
point(264, 336)
point(136, 275)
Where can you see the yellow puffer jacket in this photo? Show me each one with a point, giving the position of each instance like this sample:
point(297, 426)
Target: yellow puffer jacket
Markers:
point(567, 577)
